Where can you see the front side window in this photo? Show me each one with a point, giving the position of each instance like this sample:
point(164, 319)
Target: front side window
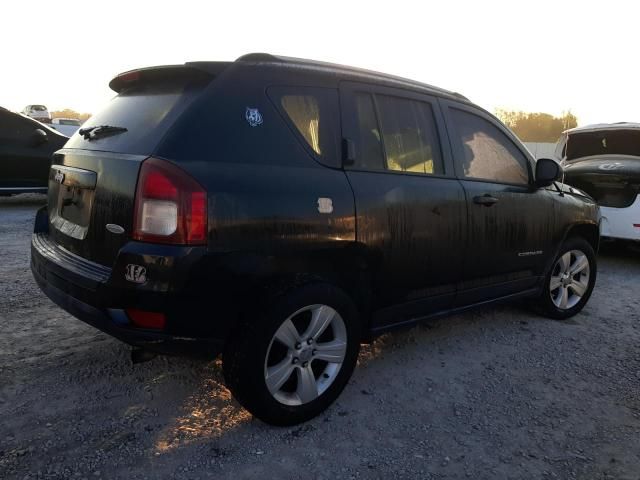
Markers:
point(313, 113)
point(488, 154)
point(409, 135)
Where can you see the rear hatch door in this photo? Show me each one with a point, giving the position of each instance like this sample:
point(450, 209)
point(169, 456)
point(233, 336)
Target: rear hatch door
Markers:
point(92, 181)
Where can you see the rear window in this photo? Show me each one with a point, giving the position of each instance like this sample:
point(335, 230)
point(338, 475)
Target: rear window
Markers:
point(314, 116)
point(38, 108)
point(147, 111)
point(69, 122)
point(603, 142)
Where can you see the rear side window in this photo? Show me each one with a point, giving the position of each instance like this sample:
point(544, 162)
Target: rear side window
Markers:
point(314, 115)
point(409, 135)
point(147, 111)
point(488, 154)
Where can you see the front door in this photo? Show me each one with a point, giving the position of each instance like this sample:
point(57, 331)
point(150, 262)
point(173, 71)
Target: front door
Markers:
point(510, 222)
point(411, 211)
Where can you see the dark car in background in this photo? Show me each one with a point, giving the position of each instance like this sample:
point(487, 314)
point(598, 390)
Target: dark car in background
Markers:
point(26, 147)
point(282, 211)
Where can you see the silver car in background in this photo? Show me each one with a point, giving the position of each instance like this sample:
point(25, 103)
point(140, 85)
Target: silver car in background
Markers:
point(37, 112)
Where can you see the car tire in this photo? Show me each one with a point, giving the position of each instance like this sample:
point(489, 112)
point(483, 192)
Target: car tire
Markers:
point(570, 281)
point(295, 355)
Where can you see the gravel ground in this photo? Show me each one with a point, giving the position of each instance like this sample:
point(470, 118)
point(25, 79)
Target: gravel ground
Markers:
point(495, 393)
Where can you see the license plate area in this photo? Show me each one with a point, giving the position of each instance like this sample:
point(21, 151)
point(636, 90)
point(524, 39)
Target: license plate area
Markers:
point(73, 191)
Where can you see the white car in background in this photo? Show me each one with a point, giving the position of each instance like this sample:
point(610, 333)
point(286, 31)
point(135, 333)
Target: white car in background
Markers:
point(66, 126)
point(37, 112)
point(604, 161)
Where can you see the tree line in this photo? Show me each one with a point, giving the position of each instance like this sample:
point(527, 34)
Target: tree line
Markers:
point(68, 113)
point(538, 126)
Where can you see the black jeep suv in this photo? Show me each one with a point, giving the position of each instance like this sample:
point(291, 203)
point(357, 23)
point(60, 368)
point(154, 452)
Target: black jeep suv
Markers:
point(281, 211)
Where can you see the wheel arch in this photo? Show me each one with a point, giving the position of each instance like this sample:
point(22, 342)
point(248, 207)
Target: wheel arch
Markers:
point(589, 231)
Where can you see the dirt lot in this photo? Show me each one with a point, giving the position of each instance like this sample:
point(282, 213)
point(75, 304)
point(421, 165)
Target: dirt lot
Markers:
point(497, 393)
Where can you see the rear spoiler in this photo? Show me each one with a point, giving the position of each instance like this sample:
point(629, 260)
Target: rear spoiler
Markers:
point(198, 71)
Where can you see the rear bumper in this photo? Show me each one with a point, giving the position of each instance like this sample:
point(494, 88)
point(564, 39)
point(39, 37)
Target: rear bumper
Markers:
point(621, 223)
point(87, 291)
point(115, 323)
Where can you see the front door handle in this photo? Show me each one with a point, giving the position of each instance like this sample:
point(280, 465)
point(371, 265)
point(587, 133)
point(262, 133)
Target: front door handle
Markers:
point(486, 200)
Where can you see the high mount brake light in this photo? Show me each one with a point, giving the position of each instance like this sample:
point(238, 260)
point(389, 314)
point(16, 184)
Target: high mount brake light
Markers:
point(170, 206)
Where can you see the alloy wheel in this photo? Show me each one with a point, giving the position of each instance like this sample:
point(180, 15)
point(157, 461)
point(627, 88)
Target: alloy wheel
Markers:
point(569, 279)
point(305, 355)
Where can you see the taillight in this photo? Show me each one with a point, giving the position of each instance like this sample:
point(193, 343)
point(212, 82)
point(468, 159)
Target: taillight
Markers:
point(145, 319)
point(170, 206)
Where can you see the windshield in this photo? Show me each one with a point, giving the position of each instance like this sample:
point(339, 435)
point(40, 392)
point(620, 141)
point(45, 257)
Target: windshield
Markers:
point(603, 142)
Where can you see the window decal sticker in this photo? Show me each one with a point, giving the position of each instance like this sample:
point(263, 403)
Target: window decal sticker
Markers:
point(253, 116)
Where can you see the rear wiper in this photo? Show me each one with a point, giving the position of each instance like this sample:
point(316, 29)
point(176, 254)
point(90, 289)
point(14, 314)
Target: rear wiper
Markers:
point(91, 132)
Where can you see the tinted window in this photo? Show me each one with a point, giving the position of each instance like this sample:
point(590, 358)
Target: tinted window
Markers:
point(603, 142)
point(369, 146)
point(313, 112)
point(69, 122)
point(488, 153)
point(147, 111)
point(409, 135)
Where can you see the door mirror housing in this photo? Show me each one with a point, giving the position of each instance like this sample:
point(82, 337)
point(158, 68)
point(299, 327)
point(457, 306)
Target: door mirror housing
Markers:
point(39, 137)
point(547, 172)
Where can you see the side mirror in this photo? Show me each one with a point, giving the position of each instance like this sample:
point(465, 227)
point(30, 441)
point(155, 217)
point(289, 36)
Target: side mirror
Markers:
point(547, 172)
point(39, 137)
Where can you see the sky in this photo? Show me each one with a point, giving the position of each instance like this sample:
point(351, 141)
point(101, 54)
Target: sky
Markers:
point(535, 56)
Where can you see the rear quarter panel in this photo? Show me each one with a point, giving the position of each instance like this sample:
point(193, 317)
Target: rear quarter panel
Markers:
point(263, 186)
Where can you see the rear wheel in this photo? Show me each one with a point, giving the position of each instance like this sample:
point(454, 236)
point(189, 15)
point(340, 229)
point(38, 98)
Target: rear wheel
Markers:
point(569, 283)
point(295, 357)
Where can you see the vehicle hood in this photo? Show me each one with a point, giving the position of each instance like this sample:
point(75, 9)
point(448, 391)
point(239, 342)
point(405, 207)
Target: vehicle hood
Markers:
point(576, 192)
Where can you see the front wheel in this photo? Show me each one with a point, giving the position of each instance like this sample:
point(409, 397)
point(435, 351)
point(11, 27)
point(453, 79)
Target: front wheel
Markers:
point(294, 358)
point(569, 283)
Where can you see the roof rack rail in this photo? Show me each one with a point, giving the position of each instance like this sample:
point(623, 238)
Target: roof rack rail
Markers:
point(257, 57)
point(267, 57)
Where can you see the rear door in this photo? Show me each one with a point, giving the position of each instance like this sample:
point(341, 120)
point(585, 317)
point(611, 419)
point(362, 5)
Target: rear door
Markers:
point(510, 221)
point(411, 211)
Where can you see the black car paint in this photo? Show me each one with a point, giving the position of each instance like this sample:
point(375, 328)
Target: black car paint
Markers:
point(25, 154)
point(404, 246)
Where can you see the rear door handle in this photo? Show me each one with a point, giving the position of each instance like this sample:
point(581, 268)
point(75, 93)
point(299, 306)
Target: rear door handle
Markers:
point(486, 200)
